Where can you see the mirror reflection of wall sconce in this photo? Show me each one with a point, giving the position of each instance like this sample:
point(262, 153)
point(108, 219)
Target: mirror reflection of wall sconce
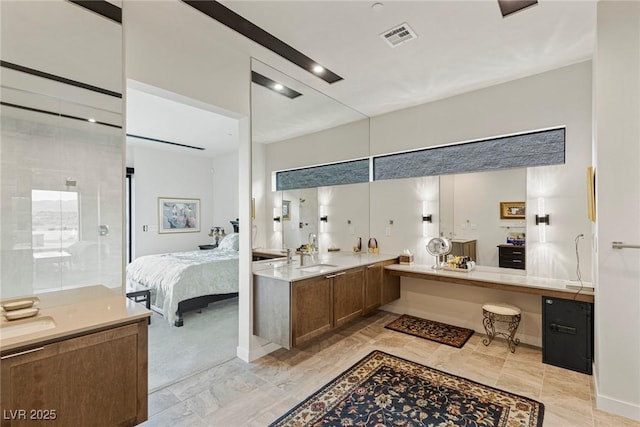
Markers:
point(324, 219)
point(427, 218)
point(542, 219)
point(277, 217)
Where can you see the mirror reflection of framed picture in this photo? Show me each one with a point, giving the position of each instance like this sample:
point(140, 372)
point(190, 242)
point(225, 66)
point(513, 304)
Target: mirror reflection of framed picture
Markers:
point(512, 210)
point(286, 210)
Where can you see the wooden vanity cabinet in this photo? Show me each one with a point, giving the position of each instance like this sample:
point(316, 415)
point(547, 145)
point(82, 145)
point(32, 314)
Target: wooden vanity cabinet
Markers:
point(290, 313)
point(322, 303)
point(94, 379)
point(464, 248)
point(348, 296)
point(390, 284)
point(380, 288)
point(311, 308)
point(373, 287)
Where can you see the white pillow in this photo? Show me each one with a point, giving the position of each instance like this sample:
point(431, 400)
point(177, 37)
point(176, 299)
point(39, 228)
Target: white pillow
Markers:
point(229, 242)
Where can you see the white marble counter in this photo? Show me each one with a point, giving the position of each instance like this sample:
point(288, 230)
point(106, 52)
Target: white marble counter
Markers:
point(495, 277)
point(74, 312)
point(319, 265)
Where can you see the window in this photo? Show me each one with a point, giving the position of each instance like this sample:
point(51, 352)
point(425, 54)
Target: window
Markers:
point(55, 219)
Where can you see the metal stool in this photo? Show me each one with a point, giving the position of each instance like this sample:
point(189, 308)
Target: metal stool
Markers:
point(500, 312)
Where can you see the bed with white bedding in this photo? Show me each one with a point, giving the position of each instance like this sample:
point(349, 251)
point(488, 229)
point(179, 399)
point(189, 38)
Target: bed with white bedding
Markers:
point(185, 281)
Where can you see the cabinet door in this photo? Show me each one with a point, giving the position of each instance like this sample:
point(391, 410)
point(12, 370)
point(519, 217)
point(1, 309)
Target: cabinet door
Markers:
point(373, 288)
point(348, 296)
point(311, 308)
point(89, 380)
point(390, 284)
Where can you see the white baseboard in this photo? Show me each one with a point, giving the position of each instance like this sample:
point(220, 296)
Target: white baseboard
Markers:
point(615, 406)
point(256, 353)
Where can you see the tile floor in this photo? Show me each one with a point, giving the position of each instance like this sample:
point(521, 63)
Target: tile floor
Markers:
point(239, 394)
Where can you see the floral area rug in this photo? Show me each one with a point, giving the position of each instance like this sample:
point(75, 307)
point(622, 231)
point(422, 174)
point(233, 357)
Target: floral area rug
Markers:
point(431, 330)
point(385, 390)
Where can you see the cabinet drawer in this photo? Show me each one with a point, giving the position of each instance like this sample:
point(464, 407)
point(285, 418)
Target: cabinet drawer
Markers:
point(512, 263)
point(515, 251)
point(511, 257)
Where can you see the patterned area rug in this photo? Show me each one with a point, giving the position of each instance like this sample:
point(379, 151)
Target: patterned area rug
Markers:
point(434, 331)
point(385, 390)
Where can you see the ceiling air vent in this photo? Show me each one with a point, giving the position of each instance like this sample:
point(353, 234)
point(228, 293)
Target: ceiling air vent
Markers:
point(398, 35)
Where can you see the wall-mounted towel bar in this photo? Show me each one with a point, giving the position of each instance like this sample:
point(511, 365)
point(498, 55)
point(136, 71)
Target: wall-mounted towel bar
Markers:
point(620, 245)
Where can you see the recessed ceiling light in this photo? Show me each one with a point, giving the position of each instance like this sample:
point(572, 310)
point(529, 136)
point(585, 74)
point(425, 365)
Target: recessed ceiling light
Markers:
point(273, 85)
point(92, 120)
point(318, 69)
point(377, 7)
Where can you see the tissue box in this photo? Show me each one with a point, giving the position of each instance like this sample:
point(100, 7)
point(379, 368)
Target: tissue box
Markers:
point(406, 259)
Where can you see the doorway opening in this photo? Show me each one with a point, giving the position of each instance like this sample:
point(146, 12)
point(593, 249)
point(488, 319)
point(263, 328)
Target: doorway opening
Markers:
point(183, 152)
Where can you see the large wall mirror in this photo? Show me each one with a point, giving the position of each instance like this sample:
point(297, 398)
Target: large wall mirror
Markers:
point(61, 145)
point(470, 212)
point(294, 126)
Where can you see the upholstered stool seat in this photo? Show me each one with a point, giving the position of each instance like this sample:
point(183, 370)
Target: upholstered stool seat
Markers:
point(499, 312)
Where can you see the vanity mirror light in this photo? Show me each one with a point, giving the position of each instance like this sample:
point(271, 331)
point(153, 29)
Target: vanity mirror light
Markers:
point(62, 148)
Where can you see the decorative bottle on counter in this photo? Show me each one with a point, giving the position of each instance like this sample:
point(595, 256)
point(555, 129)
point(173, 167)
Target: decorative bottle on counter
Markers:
point(359, 246)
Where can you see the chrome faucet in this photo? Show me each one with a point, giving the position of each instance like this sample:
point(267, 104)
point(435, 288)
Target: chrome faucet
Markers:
point(302, 255)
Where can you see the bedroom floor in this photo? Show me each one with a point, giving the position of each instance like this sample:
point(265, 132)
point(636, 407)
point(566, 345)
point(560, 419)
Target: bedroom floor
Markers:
point(207, 339)
point(240, 394)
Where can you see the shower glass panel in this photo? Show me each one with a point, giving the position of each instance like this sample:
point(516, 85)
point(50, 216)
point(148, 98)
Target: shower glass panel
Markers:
point(60, 195)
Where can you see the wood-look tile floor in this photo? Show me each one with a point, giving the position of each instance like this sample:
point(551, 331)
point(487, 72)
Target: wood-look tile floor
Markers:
point(255, 394)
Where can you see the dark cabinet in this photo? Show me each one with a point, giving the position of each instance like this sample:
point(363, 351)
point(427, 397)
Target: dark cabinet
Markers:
point(511, 256)
point(567, 334)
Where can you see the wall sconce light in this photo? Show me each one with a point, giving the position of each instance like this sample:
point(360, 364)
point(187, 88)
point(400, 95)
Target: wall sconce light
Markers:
point(324, 218)
point(427, 218)
point(276, 219)
point(542, 220)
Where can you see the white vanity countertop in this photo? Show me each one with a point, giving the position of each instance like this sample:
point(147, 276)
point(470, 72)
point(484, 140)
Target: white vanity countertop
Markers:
point(74, 311)
point(490, 275)
point(278, 268)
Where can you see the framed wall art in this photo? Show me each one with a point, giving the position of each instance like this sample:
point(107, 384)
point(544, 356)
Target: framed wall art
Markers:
point(286, 210)
point(176, 215)
point(512, 210)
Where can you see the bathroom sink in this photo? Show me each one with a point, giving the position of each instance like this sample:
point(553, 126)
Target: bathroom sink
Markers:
point(316, 268)
point(17, 328)
point(279, 263)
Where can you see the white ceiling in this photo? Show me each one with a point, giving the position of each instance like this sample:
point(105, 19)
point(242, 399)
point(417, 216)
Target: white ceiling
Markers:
point(157, 114)
point(461, 46)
